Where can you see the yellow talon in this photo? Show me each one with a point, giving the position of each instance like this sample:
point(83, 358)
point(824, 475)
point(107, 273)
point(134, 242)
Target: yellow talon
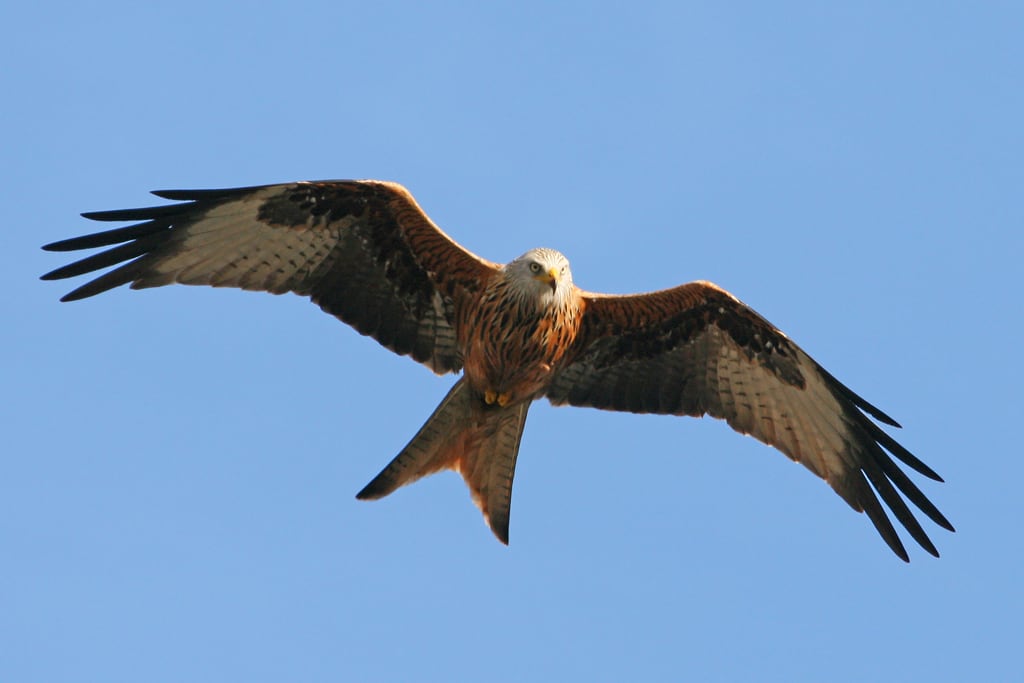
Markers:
point(492, 397)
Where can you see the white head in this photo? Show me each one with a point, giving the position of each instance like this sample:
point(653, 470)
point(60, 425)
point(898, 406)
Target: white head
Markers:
point(542, 275)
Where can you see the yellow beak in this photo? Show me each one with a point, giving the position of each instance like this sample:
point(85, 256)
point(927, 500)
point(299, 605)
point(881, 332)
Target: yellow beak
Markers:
point(550, 277)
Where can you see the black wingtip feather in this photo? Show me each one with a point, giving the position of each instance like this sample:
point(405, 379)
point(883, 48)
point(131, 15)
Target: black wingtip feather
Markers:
point(894, 447)
point(869, 503)
point(114, 278)
point(140, 214)
point(857, 400)
point(888, 493)
point(110, 257)
point(196, 195)
point(107, 238)
point(911, 491)
point(77, 295)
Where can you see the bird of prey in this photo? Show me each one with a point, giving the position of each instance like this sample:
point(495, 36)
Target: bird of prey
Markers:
point(366, 253)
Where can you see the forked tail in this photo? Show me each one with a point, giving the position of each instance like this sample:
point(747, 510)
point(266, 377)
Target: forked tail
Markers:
point(478, 441)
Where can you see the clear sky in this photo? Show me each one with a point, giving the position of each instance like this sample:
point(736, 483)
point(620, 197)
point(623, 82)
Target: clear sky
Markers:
point(179, 465)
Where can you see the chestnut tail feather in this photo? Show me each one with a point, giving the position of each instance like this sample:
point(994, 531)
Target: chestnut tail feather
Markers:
point(464, 434)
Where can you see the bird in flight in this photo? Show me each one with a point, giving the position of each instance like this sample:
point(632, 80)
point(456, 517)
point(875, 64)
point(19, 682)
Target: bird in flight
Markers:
point(365, 252)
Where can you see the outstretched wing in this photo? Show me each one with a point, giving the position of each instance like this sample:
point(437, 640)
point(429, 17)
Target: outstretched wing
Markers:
point(363, 251)
point(696, 350)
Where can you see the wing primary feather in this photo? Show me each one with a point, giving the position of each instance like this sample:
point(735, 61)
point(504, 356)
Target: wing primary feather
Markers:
point(899, 508)
point(108, 237)
point(107, 258)
point(899, 451)
point(140, 214)
point(115, 278)
point(194, 195)
point(857, 400)
point(869, 503)
point(913, 493)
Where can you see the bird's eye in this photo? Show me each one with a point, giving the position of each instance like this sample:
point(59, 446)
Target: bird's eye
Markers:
point(535, 267)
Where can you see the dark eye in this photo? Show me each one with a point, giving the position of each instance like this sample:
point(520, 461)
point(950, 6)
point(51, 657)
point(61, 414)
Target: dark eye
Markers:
point(534, 267)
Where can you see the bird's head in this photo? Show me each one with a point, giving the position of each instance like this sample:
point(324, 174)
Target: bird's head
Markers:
point(542, 274)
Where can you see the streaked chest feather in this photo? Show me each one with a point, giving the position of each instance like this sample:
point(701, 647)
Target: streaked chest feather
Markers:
point(511, 345)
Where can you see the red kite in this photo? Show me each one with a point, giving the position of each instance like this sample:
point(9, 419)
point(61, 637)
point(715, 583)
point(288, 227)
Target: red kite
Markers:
point(366, 253)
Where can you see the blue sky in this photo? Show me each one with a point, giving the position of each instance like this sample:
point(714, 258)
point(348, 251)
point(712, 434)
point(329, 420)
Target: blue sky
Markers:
point(179, 465)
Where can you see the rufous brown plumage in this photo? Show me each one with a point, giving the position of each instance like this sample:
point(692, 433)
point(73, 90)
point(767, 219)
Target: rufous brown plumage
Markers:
point(366, 253)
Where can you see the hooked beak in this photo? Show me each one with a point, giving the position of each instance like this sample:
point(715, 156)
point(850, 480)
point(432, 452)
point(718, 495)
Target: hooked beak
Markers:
point(551, 277)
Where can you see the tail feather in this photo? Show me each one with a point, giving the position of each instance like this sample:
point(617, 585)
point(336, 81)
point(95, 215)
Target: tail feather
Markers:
point(426, 453)
point(490, 465)
point(478, 441)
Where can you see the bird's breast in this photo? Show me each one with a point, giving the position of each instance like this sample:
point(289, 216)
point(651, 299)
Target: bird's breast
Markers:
point(510, 349)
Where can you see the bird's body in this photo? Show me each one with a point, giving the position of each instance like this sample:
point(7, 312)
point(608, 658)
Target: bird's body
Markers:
point(505, 367)
point(513, 363)
point(365, 252)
